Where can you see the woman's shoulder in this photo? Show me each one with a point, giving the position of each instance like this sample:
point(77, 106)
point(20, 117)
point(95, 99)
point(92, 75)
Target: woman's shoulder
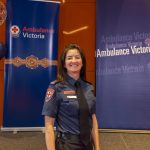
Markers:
point(56, 83)
point(87, 83)
point(89, 86)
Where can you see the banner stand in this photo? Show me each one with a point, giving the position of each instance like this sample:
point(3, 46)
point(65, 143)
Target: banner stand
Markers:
point(15, 130)
point(25, 129)
point(30, 63)
point(124, 131)
point(123, 66)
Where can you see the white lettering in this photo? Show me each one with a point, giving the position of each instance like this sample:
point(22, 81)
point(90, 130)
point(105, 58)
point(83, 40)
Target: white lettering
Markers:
point(34, 36)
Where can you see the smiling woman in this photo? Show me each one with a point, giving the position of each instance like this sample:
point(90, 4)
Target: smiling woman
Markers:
point(73, 63)
point(71, 103)
point(73, 58)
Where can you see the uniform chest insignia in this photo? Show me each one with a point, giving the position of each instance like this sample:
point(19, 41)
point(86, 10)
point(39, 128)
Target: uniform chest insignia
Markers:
point(49, 94)
point(71, 96)
point(69, 92)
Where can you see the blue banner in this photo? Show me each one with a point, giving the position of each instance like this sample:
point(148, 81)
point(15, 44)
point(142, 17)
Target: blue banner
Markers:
point(123, 64)
point(31, 61)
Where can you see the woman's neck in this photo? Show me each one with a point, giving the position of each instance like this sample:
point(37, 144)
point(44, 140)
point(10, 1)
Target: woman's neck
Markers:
point(75, 76)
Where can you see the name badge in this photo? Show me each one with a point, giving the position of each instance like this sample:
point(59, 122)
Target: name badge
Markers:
point(69, 92)
point(71, 96)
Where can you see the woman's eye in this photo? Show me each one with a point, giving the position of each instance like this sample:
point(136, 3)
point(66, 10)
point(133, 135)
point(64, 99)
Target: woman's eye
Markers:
point(69, 58)
point(78, 57)
point(75, 57)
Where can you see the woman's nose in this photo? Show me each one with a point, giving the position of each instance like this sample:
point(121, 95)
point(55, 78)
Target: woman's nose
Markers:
point(74, 59)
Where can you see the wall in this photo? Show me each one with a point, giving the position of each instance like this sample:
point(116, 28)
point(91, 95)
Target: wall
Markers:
point(80, 16)
point(76, 25)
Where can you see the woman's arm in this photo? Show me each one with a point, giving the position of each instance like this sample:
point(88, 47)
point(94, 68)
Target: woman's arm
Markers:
point(49, 133)
point(95, 135)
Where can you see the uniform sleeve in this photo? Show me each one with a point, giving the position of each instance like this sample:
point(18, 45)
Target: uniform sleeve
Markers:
point(93, 109)
point(50, 106)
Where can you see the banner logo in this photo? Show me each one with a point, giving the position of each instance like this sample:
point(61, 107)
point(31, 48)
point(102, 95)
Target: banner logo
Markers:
point(31, 62)
point(15, 31)
point(3, 13)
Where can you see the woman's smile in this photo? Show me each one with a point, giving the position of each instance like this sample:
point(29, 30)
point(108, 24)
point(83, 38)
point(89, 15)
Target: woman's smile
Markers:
point(73, 62)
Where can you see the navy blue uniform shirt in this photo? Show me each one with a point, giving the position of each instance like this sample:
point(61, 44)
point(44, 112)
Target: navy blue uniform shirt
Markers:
point(61, 102)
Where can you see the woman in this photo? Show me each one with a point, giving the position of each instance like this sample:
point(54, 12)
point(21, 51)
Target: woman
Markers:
point(71, 105)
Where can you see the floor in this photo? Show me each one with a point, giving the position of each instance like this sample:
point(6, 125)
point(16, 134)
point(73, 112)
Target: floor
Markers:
point(109, 141)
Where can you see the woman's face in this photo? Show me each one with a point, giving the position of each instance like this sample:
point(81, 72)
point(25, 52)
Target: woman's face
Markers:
point(73, 62)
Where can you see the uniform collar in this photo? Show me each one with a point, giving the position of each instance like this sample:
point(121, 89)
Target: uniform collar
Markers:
point(72, 81)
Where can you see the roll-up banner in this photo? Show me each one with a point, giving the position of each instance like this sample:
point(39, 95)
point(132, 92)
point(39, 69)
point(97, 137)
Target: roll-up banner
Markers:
point(31, 62)
point(123, 64)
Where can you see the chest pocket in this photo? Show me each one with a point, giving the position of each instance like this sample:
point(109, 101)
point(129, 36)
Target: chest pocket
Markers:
point(70, 105)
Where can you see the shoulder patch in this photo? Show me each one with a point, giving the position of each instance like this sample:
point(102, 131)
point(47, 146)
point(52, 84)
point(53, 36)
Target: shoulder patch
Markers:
point(49, 94)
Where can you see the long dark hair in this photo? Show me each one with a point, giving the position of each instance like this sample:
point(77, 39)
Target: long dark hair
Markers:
point(63, 71)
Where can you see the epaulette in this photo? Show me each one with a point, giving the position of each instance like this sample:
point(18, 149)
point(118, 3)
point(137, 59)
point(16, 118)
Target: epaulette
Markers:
point(88, 82)
point(55, 82)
